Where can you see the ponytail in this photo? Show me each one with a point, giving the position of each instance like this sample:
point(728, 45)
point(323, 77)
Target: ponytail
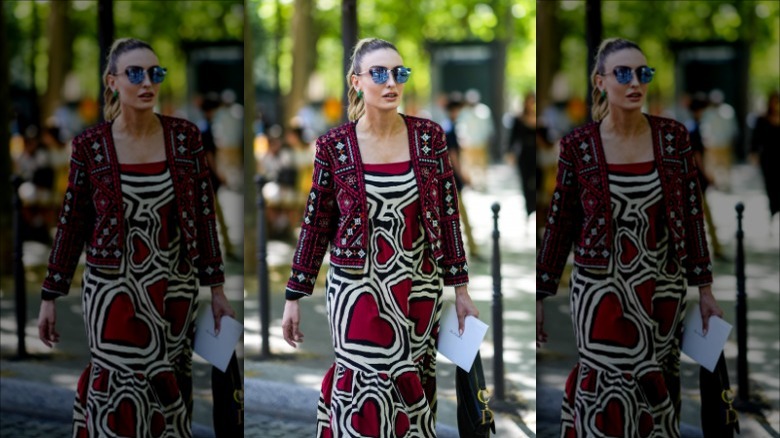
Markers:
point(111, 106)
point(357, 107)
point(600, 107)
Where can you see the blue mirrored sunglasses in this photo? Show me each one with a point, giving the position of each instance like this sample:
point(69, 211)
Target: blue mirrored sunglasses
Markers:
point(380, 75)
point(624, 74)
point(135, 74)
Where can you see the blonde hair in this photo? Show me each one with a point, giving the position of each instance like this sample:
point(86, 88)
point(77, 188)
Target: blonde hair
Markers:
point(111, 107)
point(356, 106)
point(600, 107)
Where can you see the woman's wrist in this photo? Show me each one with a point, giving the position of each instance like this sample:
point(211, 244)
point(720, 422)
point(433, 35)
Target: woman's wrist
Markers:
point(706, 289)
point(218, 290)
point(461, 290)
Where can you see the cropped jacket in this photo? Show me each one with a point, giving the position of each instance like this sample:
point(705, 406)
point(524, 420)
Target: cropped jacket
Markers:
point(580, 211)
point(92, 212)
point(336, 211)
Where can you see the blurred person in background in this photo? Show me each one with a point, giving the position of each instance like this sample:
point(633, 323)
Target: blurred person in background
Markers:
point(765, 148)
point(522, 143)
point(452, 109)
point(475, 131)
point(718, 131)
point(34, 166)
point(303, 161)
point(383, 198)
point(696, 107)
point(139, 196)
point(277, 164)
point(628, 198)
point(209, 106)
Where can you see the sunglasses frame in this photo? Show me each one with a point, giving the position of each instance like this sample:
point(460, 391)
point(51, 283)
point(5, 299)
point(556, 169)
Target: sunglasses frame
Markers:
point(644, 74)
point(380, 75)
point(156, 74)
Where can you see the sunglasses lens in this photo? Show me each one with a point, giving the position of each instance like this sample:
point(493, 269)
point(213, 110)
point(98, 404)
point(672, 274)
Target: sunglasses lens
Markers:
point(135, 74)
point(402, 74)
point(623, 75)
point(379, 75)
point(157, 74)
point(646, 74)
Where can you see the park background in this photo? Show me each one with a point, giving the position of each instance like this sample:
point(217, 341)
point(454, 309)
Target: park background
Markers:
point(728, 53)
point(51, 55)
point(300, 49)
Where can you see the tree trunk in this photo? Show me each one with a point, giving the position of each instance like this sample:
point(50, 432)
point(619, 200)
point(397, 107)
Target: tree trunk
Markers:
point(548, 50)
point(105, 40)
point(593, 30)
point(303, 63)
point(5, 156)
point(349, 37)
point(60, 54)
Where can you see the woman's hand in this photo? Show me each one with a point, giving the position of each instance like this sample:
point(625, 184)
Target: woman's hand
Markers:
point(220, 306)
point(47, 318)
point(708, 307)
point(464, 307)
point(541, 335)
point(290, 322)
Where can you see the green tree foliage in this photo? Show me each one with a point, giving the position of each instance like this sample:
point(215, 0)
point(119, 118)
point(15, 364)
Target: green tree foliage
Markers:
point(409, 24)
point(164, 24)
point(656, 24)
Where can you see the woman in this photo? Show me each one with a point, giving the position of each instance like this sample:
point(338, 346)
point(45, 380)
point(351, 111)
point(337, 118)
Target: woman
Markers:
point(628, 197)
point(139, 196)
point(764, 145)
point(522, 142)
point(384, 198)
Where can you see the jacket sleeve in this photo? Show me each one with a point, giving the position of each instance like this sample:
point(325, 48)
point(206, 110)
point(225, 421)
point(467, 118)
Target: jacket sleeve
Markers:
point(317, 228)
point(560, 227)
point(211, 269)
point(454, 264)
point(74, 225)
point(697, 263)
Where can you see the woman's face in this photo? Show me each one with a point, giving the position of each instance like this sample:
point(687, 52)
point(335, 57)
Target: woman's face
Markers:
point(142, 96)
point(629, 96)
point(385, 96)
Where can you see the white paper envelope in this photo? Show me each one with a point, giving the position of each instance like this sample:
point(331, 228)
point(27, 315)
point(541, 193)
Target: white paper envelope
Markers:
point(217, 349)
point(461, 350)
point(704, 349)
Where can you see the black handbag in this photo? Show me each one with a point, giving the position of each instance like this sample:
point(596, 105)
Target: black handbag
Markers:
point(228, 391)
point(718, 417)
point(475, 419)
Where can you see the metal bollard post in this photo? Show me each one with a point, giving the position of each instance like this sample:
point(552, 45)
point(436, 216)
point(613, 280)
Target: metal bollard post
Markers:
point(498, 311)
point(262, 271)
point(742, 365)
point(20, 294)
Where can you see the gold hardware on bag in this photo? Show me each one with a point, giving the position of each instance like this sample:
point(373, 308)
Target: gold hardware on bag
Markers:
point(481, 398)
point(731, 414)
point(485, 413)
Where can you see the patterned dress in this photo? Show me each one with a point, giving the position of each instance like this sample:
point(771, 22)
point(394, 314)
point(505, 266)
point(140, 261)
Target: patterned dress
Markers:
point(139, 322)
point(384, 320)
point(627, 322)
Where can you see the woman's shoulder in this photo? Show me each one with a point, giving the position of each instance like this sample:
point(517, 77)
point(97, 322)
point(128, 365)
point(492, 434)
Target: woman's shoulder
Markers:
point(177, 123)
point(422, 124)
point(336, 134)
point(93, 134)
point(581, 133)
point(666, 124)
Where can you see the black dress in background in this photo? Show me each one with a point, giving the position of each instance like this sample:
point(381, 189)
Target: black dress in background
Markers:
point(764, 142)
point(523, 145)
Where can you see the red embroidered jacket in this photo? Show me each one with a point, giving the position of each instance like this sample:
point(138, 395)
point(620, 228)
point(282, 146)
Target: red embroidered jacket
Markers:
point(92, 211)
point(337, 214)
point(580, 211)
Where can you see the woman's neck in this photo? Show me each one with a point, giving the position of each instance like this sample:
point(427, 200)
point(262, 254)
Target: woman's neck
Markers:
point(625, 123)
point(381, 124)
point(137, 124)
